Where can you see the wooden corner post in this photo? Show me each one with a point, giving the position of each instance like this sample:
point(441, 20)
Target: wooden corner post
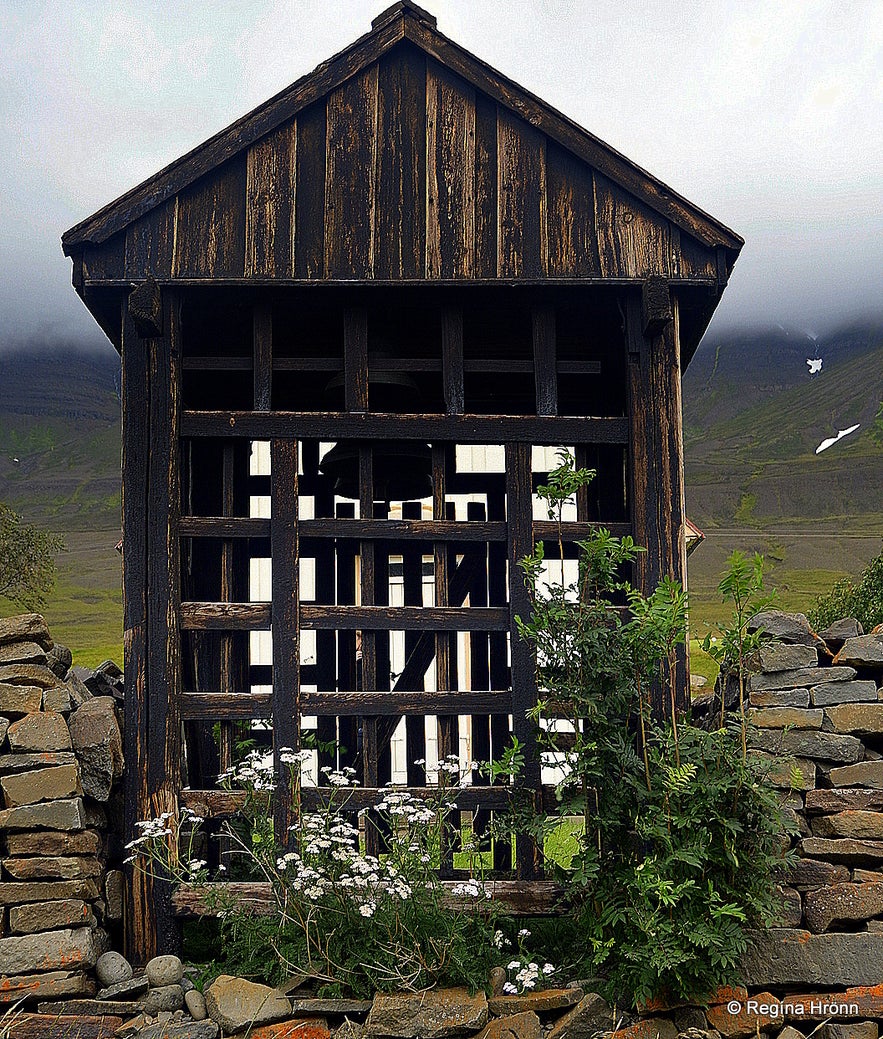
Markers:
point(656, 455)
point(151, 583)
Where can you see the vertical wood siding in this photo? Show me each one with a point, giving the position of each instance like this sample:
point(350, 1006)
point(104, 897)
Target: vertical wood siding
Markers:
point(403, 172)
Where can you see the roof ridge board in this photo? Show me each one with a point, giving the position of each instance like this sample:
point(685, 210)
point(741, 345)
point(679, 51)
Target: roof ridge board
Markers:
point(422, 36)
point(281, 106)
point(406, 25)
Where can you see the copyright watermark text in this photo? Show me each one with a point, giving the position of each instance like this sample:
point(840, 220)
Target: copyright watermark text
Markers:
point(810, 1008)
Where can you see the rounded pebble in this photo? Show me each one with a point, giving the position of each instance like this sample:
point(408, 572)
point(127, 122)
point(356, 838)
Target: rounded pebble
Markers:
point(164, 970)
point(113, 969)
point(164, 997)
point(496, 980)
point(194, 1000)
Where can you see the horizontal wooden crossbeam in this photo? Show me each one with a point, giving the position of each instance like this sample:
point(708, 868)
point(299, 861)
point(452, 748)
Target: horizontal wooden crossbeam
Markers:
point(243, 616)
point(233, 706)
point(489, 366)
point(459, 429)
point(534, 897)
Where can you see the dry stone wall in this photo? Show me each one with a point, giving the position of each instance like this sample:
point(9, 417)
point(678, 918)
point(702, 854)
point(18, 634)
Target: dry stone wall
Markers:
point(61, 759)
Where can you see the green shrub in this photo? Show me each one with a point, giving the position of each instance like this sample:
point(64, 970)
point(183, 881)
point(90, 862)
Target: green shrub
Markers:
point(848, 598)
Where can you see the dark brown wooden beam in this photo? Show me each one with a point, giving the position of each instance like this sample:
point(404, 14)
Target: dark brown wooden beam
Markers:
point(452, 360)
point(263, 356)
point(545, 360)
point(355, 358)
point(286, 640)
point(459, 429)
point(521, 898)
point(398, 618)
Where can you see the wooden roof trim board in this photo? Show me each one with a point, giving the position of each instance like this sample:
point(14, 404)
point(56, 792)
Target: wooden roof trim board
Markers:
point(403, 21)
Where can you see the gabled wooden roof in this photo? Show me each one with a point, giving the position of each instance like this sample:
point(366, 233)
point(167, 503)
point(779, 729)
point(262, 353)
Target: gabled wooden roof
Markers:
point(402, 157)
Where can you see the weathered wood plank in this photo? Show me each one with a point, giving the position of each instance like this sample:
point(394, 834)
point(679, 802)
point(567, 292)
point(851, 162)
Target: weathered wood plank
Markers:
point(223, 527)
point(461, 429)
point(309, 205)
point(150, 243)
point(350, 182)
point(231, 706)
point(138, 933)
point(545, 360)
point(633, 241)
point(539, 898)
point(400, 234)
point(105, 261)
point(486, 188)
point(225, 616)
point(399, 618)
point(355, 358)
point(269, 204)
point(573, 243)
point(286, 641)
point(519, 487)
point(656, 469)
point(450, 175)
point(452, 360)
point(163, 753)
point(210, 225)
point(521, 164)
point(262, 346)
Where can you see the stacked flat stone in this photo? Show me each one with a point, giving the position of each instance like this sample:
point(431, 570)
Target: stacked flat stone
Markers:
point(816, 701)
point(60, 755)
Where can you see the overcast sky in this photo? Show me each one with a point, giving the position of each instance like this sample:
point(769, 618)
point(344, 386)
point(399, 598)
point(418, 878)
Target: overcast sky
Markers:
point(765, 113)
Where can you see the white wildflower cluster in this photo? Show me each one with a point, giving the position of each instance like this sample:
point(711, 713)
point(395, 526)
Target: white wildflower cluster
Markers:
point(399, 805)
point(297, 758)
point(329, 863)
point(527, 976)
point(256, 771)
point(501, 941)
point(472, 888)
point(153, 842)
point(340, 777)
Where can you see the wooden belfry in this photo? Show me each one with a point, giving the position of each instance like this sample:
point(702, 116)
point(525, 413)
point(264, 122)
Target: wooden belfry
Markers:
point(347, 324)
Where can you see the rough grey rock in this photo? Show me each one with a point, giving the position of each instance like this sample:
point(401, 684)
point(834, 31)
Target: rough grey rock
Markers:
point(47, 784)
point(865, 773)
point(807, 743)
point(39, 732)
point(180, 1030)
point(53, 842)
point(26, 627)
point(782, 657)
point(864, 651)
point(55, 984)
point(802, 676)
point(844, 801)
point(164, 970)
point(525, 1025)
point(16, 700)
point(98, 742)
point(52, 815)
point(829, 693)
point(435, 1014)
point(91, 1008)
point(852, 823)
point(788, 773)
point(846, 849)
point(691, 1017)
point(592, 1014)
point(57, 699)
point(194, 1001)
point(320, 1007)
point(792, 628)
point(842, 902)
point(48, 916)
point(54, 950)
point(780, 717)
point(855, 1030)
point(50, 867)
point(113, 894)
point(79, 692)
point(840, 631)
point(863, 719)
point(547, 999)
point(779, 698)
point(163, 997)
point(235, 1003)
point(30, 762)
point(28, 674)
point(22, 653)
point(129, 989)
point(112, 968)
point(18, 892)
point(785, 956)
point(59, 659)
point(496, 980)
point(811, 873)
